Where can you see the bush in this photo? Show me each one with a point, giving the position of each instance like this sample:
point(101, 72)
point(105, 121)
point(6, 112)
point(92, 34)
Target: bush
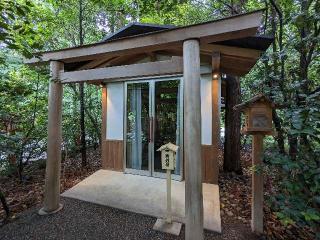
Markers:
point(297, 196)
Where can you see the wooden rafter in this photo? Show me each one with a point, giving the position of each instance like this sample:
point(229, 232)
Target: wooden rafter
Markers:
point(95, 63)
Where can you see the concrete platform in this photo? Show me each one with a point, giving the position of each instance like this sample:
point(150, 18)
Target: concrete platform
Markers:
point(145, 195)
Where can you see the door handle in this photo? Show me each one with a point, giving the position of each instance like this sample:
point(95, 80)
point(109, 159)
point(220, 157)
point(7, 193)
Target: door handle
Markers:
point(151, 129)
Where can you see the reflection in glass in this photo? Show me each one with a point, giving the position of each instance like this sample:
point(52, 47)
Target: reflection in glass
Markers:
point(137, 143)
point(167, 119)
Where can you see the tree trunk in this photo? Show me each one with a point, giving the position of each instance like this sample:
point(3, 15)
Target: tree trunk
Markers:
point(272, 84)
point(280, 138)
point(232, 161)
point(82, 127)
point(81, 91)
point(4, 204)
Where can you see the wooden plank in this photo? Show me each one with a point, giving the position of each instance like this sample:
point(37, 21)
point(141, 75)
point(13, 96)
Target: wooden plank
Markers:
point(113, 156)
point(192, 141)
point(127, 71)
point(219, 30)
point(208, 159)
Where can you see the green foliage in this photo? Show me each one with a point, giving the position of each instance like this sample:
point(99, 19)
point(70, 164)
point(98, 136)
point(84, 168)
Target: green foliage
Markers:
point(298, 191)
point(18, 31)
point(23, 105)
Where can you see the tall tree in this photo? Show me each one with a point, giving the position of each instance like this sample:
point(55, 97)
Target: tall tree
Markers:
point(232, 162)
point(81, 90)
point(232, 159)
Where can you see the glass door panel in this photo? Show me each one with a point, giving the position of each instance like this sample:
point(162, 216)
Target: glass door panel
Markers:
point(166, 120)
point(137, 126)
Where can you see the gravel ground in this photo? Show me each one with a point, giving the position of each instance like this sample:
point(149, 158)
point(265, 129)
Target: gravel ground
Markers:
point(82, 220)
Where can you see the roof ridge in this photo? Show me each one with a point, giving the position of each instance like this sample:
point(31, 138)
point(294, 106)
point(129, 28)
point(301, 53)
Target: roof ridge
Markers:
point(140, 24)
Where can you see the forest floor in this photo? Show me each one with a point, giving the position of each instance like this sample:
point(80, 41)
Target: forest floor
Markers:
point(235, 200)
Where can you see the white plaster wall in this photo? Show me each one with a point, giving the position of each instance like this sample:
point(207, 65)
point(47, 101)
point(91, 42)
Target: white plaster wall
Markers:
point(206, 109)
point(115, 109)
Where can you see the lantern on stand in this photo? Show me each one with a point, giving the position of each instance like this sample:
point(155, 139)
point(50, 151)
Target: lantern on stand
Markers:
point(258, 123)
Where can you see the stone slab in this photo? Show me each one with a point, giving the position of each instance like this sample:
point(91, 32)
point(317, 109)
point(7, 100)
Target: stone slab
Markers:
point(171, 228)
point(144, 195)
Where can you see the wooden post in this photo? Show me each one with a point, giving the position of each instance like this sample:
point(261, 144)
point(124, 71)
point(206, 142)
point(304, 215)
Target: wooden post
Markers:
point(104, 126)
point(257, 185)
point(169, 212)
point(216, 103)
point(53, 166)
point(192, 140)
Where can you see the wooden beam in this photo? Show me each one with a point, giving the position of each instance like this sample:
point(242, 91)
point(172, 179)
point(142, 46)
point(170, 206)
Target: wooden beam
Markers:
point(173, 66)
point(216, 102)
point(192, 140)
point(95, 63)
point(207, 49)
point(232, 51)
point(219, 30)
point(124, 60)
point(104, 125)
point(237, 62)
point(234, 71)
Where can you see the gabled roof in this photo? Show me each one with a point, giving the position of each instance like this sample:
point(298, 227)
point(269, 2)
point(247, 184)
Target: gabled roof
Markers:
point(169, 146)
point(258, 98)
point(136, 28)
point(258, 42)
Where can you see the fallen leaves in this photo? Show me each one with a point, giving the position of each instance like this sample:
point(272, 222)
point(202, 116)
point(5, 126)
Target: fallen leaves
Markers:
point(23, 195)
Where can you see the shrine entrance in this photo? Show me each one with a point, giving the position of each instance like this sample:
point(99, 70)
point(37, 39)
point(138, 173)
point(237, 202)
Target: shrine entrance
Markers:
point(153, 117)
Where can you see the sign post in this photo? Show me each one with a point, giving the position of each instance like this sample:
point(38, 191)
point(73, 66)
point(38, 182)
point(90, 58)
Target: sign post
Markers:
point(168, 162)
point(169, 211)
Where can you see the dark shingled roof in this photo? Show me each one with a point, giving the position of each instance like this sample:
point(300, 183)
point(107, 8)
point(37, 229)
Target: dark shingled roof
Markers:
point(258, 42)
point(136, 28)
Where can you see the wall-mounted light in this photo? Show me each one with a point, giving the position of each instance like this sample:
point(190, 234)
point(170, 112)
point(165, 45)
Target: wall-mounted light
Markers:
point(215, 75)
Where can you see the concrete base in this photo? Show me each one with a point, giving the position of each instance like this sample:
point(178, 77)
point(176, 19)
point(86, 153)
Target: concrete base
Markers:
point(172, 228)
point(42, 212)
point(145, 195)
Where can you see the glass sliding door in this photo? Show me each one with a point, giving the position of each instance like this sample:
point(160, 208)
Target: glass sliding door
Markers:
point(167, 121)
point(137, 127)
point(153, 118)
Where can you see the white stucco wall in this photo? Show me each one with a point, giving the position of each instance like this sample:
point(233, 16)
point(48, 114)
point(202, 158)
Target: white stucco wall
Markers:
point(206, 109)
point(115, 111)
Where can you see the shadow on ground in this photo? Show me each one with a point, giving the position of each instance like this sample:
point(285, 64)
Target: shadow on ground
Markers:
point(82, 220)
